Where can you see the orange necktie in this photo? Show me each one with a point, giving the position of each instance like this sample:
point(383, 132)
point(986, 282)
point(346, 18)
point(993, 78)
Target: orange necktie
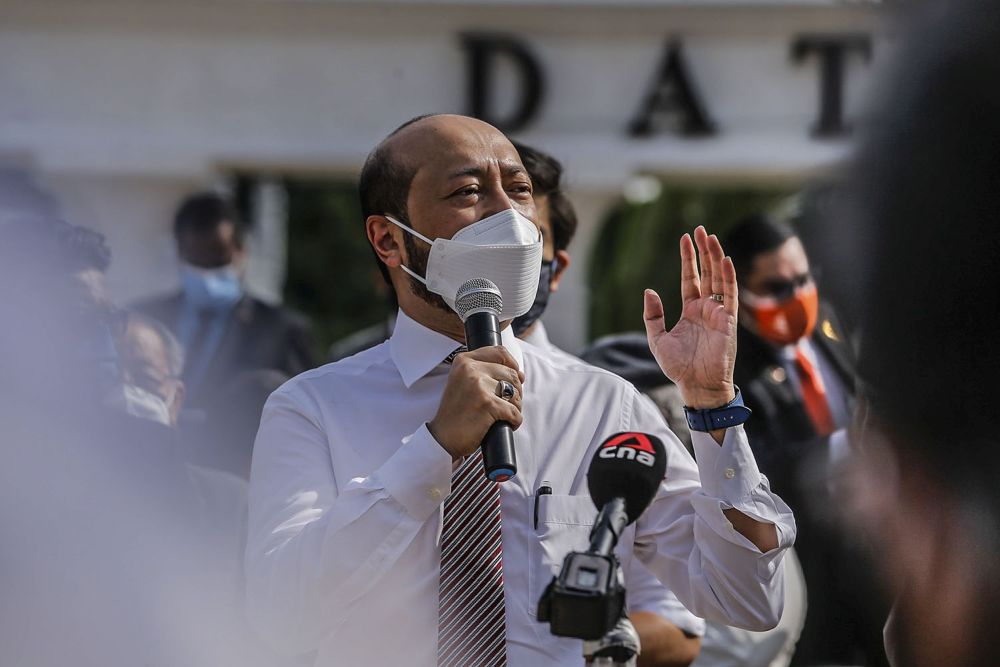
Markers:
point(814, 394)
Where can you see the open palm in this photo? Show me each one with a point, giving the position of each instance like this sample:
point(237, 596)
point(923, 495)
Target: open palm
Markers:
point(698, 353)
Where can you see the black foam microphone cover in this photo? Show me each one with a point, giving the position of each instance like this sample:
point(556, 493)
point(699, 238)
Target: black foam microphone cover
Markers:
point(627, 465)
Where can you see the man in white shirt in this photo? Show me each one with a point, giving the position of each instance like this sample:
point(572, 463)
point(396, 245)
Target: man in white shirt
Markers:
point(354, 460)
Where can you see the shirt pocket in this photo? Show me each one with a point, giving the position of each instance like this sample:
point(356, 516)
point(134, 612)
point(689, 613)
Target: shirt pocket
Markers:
point(564, 524)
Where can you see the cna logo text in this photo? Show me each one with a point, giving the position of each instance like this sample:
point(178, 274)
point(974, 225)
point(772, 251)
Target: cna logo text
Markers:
point(630, 446)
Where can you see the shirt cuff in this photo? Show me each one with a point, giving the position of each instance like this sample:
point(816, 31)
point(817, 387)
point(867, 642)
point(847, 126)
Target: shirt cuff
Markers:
point(418, 475)
point(728, 473)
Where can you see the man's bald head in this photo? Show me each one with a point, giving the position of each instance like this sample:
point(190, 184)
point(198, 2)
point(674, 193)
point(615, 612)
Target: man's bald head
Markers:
point(385, 178)
point(388, 172)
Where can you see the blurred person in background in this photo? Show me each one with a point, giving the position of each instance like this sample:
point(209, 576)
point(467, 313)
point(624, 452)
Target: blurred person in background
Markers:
point(223, 329)
point(796, 370)
point(105, 559)
point(922, 239)
point(225, 440)
point(152, 362)
point(668, 632)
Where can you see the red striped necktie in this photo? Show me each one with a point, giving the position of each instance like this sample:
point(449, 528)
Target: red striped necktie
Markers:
point(472, 631)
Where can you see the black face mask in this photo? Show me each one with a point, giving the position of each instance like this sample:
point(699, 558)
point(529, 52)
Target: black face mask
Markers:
point(524, 322)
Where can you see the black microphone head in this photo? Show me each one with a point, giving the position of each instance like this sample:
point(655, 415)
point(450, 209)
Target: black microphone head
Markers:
point(477, 295)
point(627, 465)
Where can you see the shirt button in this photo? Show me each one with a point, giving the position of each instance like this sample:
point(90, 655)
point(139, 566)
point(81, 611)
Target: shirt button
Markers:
point(730, 473)
point(434, 494)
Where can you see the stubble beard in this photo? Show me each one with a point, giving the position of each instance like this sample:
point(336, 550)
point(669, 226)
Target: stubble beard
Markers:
point(418, 264)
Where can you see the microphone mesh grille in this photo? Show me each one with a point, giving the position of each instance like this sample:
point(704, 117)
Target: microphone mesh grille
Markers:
point(478, 294)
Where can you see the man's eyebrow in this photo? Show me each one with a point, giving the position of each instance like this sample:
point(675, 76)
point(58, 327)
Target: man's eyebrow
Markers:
point(468, 171)
point(512, 169)
point(508, 169)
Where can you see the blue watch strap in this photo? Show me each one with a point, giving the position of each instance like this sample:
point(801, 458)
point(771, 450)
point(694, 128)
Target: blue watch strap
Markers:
point(711, 419)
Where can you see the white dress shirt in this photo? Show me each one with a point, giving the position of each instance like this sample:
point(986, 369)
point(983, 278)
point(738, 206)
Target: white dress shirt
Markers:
point(346, 496)
point(643, 591)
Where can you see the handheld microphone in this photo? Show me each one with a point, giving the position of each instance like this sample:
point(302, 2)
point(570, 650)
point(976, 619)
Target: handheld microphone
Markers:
point(479, 302)
point(587, 599)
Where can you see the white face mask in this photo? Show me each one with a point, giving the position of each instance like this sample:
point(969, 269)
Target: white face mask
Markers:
point(140, 403)
point(504, 248)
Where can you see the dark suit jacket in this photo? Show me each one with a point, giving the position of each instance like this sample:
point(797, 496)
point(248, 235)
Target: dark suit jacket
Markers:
point(780, 431)
point(257, 336)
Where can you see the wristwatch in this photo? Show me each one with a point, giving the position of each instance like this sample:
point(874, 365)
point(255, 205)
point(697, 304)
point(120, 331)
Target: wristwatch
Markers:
point(711, 419)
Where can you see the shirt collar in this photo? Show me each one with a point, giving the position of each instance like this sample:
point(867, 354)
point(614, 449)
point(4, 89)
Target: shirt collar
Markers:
point(538, 337)
point(417, 350)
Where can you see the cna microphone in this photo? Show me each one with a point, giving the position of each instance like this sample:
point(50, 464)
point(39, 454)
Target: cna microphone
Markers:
point(623, 478)
point(479, 302)
point(587, 599)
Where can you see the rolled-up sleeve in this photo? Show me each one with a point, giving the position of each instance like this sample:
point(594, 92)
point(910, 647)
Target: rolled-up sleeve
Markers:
point(685, 539)
point(312, 548)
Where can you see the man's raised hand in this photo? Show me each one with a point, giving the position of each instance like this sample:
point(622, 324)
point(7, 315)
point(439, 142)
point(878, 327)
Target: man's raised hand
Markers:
point(699, 352)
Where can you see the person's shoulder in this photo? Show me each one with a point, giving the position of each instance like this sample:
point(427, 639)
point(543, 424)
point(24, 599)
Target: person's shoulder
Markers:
point(343, 374)
point(627, 355)
point(561, 363)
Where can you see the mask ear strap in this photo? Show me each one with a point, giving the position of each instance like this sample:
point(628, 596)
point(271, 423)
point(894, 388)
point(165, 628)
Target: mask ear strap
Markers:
point(409, 229)
point(419, 236)
point(412, 274)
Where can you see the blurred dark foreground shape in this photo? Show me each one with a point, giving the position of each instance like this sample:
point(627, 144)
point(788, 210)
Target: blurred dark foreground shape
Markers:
point(922, 243)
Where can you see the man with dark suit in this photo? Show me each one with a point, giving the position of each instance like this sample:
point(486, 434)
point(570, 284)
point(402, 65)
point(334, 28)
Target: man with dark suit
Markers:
point(224, 330)
point(796, 370)
point(795, 361)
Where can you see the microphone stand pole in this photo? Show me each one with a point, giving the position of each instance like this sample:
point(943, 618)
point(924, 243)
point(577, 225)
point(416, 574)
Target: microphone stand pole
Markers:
point(620, 645)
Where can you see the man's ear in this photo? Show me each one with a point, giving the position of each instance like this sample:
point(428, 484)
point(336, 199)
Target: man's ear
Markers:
point(381, 236)
point(562, 263)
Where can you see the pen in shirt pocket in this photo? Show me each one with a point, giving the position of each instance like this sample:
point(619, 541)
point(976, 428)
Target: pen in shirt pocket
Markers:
point(543, 490)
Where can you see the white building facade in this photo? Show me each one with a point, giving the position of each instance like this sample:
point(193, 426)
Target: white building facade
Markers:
point(125, 106)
